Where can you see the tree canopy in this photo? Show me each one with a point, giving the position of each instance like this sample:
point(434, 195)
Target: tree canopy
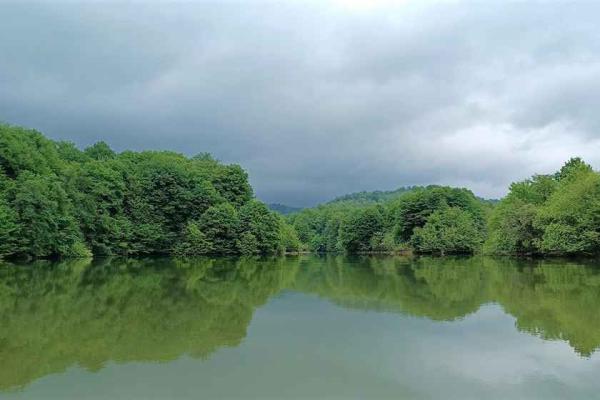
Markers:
point(556, 214)
point(59, 201)
point(433, 219)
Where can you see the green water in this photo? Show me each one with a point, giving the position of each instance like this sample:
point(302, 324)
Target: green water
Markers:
point(300, 328)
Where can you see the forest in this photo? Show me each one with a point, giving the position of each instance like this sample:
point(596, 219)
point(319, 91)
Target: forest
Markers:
point(554, 214)
point(59, 201)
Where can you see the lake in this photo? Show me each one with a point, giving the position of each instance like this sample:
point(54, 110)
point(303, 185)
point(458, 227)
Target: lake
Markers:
point(301, 327)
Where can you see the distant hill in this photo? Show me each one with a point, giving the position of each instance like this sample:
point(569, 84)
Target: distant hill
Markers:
point(492, 202)
point(283, 209)
point(382, 196)
point(362, 198)
point(377, 196)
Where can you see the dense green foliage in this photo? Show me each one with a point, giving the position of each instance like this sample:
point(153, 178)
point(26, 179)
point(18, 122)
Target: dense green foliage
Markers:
point(377, 196)
point(283, 209)
point(555, 214)
point(450, 230)
point(56, 200)
point(434, 219)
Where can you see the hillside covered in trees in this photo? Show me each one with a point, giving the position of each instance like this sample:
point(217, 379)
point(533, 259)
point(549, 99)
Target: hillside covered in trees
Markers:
point(59, 201)
point(432, 219)
point(283, 209)
point(556, 214)
point(377, 196)
point(549, 214)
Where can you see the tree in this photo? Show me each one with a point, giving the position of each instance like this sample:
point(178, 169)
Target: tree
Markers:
point(99, 192)
point(100, 151)
point(194, 242)
point(27, 150)
point(356, 232)
point(512, 229)
point(8, 229)
point(67, 151)
point(288, 237)
point(413, 209)
point(56, 200)
point(533, 191)
point(221, 224)
point(570, 219)
point(163, 192)
point(46, 223)
point(232, 183)
point(319, 228)
point(549, 214)
point(450, 230)
point(263, 224)
point(572, 168)
point(248, 244)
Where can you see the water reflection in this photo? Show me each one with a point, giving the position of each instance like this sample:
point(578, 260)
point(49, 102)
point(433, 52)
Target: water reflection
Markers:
point(56, 315)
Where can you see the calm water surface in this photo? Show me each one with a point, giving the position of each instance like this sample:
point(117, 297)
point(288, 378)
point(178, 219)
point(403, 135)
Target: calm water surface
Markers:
point(300, 328)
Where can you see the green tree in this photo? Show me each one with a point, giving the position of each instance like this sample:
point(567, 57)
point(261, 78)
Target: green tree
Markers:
point(549, 214)
point(46, 222)
point(99, 192)
point(288, 237)
point(100, 151)
point(447, 231)
point(511, 228)
point(232, 183)
point(248, 244)
point(194, 242)
point(27, 150)
point(56, 200)
point(67, 151)
point(413, 209)
point(533, 191)
point(263, 224)
point(572, 168)
point(8, 229)
point(357, 231)
point(221, 226)
point(570, 219)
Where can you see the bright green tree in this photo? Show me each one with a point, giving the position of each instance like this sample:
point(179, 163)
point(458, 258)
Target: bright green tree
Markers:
point(413, 209)
point(450, 230)
point(262, 223)
point(357, 231)
point(194, 242)
point(221, 226)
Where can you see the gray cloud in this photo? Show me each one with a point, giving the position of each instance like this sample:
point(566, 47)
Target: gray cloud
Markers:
point(316, 99)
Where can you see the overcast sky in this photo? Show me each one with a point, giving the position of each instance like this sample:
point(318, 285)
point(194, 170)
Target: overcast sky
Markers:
point(316, 98)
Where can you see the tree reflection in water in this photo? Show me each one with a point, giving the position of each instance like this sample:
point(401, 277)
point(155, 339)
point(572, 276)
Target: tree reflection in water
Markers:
point(56, 315)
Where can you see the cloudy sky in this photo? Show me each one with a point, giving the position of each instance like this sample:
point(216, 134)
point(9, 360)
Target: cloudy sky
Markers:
point(316, 98)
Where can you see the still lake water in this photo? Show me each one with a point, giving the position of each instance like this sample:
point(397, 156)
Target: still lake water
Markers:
point(300, 328)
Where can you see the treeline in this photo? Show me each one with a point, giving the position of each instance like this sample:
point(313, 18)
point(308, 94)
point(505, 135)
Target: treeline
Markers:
point(377, 196)
point(549, 214)
point(432, 219)
point(59, 201)
point(557, 214)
